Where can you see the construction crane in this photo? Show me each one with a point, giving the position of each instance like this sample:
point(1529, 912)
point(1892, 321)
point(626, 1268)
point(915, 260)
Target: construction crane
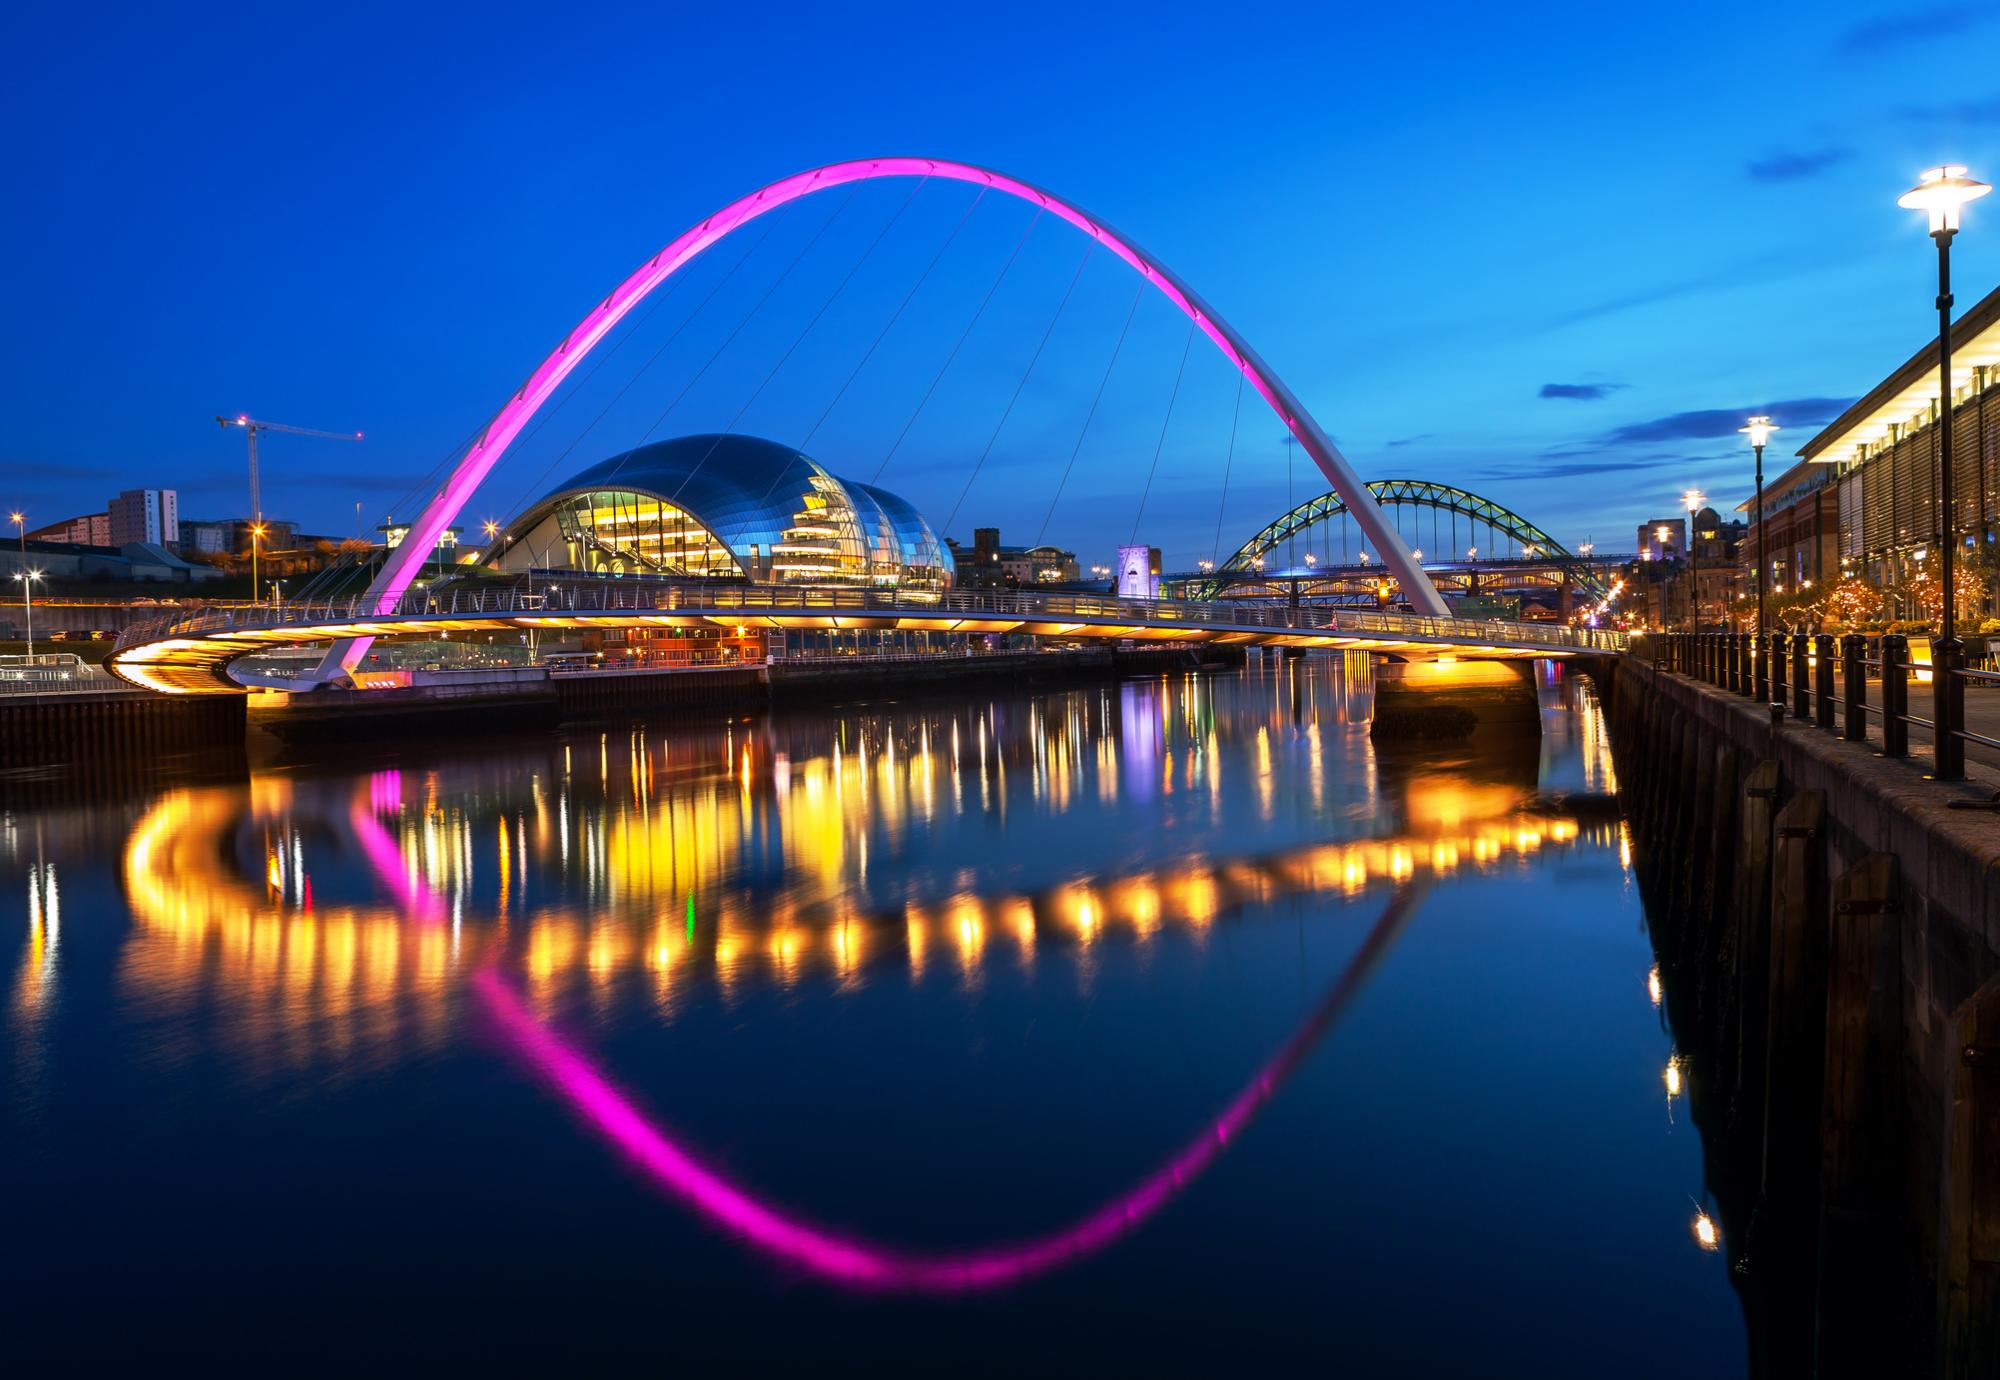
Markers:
point(251, 426)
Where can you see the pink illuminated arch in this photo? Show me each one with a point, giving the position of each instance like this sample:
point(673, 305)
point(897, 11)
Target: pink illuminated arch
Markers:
point(408, 557)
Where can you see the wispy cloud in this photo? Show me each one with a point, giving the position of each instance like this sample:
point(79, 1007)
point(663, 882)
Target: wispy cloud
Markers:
point(42, 469)
point(1407, 440)
point(1583, 392)
point(1723, 421)
point(1920, 26)
point(1576, 465)
point(1983, 112)
point(1794, 165)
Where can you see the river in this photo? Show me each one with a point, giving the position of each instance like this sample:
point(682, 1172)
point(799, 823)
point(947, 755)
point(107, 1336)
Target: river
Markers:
point(1164, 1026)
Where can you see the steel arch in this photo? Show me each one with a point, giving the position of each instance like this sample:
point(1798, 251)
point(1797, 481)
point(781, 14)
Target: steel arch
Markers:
point(1415, 492)
point(401, 569)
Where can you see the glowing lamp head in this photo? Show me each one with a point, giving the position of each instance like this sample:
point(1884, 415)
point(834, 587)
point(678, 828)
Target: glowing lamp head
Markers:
point(1941, 193)
point(17, 518)
point(491, 527)
point(1693, 500)
point(1759, 431)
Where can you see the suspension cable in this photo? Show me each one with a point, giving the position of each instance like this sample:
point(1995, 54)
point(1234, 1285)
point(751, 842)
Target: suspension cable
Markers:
point(1215, 551)
point(735, 330)
point(797, 341)
point(1161, 444)
point(1032, 360)
point(960, 344)
point(722, 282)
point(1091, 415)
point(894, 317)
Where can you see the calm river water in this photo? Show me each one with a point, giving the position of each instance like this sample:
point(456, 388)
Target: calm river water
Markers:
point(1163, 1026)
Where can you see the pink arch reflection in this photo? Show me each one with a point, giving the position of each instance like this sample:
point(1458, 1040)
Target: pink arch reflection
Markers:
point(857, 1262)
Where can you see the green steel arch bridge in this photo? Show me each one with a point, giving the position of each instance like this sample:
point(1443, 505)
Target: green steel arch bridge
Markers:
point(1513, 546)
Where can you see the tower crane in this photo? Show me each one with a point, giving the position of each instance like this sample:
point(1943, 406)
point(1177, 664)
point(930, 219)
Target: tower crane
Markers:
point(251, 426)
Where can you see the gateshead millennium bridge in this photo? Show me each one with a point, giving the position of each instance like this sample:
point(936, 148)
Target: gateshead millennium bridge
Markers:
point(188, 654)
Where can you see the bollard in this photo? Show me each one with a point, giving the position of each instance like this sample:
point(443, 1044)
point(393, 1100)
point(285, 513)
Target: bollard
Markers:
point(1948, 708)
point(1823, 681)
point(1854, 687)
point(1749, 654)
point(1760, 665)
point(1733, 651)
point(1776, 657)
point(1801, 676)
point(1895, 695)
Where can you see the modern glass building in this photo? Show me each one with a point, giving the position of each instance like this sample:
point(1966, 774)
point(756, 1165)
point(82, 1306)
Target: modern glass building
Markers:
point(727, 507)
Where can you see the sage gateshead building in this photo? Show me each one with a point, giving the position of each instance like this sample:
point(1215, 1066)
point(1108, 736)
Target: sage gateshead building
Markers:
point(726, 507)
point(738, 509)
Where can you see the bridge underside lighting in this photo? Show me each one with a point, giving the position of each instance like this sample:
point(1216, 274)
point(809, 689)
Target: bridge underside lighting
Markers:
point(198, 665)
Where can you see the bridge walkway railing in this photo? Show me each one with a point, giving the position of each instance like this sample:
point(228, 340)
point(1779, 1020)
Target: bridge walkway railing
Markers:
point(694, 599)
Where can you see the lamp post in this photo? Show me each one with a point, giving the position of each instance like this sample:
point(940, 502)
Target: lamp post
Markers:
point(1693, 500)
point(1941, 193)
point(256, 537)
point(20, 521)
point(1759, 431)
point(27, 579)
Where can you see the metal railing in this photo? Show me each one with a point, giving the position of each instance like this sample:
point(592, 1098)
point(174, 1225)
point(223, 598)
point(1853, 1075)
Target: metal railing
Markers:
point(1795, 674)
point(694, 599)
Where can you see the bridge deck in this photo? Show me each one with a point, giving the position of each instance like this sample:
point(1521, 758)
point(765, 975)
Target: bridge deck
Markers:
point(189, 653)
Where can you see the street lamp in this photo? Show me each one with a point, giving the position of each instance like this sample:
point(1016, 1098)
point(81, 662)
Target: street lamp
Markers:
point(20, 521)
point(27, 579)
point(1692, 500)
point(1941, 193)
point(256, 537)
point(1759, 431)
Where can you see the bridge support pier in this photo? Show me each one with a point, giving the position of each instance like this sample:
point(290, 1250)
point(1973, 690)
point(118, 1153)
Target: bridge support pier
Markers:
point(1500, 695)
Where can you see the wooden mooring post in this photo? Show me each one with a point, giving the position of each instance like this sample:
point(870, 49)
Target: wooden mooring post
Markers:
point(1969, 1292)
point(1863, 1233)
point(1749, 912)
point(1784, 1243)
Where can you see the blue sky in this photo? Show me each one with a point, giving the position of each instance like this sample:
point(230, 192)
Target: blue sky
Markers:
point(1550, 255)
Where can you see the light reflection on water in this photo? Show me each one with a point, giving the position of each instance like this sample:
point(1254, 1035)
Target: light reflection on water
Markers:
point(327, 927)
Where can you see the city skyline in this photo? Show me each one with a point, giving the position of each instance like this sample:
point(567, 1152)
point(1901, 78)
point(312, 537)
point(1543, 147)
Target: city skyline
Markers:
point(1490, 316)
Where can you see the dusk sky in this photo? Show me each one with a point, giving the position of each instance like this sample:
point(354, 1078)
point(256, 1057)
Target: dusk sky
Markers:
point(1553, 255)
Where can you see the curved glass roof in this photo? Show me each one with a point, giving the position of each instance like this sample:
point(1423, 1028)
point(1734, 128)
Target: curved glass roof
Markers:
point(701, 504)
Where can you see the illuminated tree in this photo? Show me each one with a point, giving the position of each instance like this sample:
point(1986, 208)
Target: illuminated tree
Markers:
point(1925, 589)
point(1851, 601)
